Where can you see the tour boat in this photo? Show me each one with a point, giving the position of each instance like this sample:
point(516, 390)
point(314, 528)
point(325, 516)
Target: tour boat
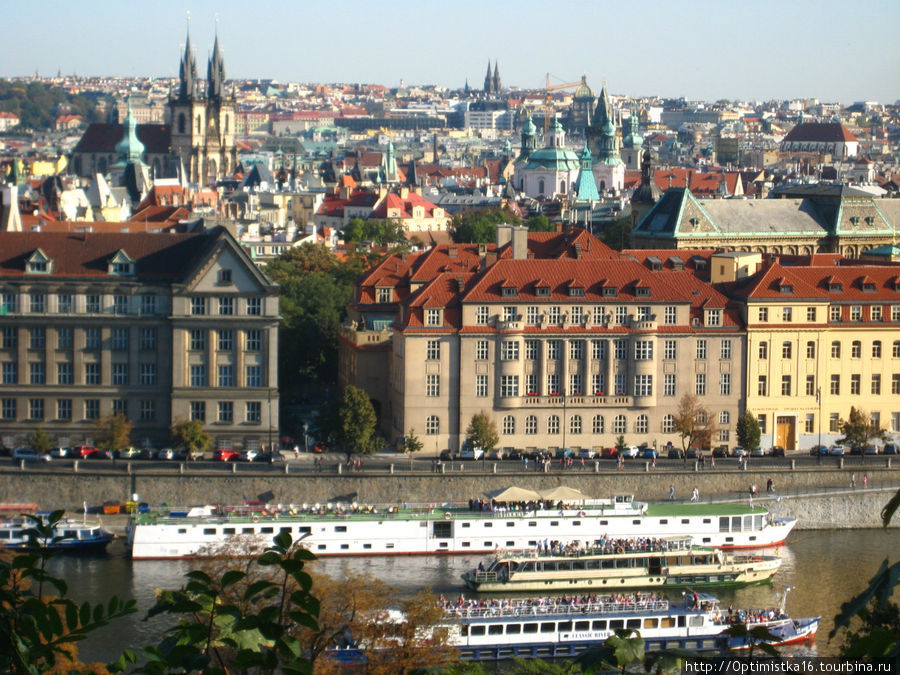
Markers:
point(604, 564)
point(490, 630)
point(68, 535)
point(343, 529)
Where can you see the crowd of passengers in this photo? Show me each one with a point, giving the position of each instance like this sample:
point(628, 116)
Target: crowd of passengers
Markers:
point(602, 546)
point(492, 506)
point(748, 616)
point(547, 605)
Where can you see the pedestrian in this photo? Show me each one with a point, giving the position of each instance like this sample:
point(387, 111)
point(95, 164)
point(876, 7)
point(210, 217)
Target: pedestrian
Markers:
point(296, 451)
point(865, 480)
point(433, 465)
point(695, 495)
point(852, 480)
point(671, 493)
point(525, 461)
point(712, 461)
point(770, 486)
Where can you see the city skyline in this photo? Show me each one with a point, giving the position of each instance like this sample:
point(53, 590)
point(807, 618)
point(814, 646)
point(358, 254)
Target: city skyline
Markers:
point(780, 51)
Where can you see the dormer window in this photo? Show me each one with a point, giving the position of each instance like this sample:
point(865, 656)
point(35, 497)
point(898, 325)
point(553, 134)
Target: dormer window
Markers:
point(225, 278)
point(383, 294)
point(121, 264)
point(786, 288)
point(835, 286)
point(610, 292)
point(714, 317)
point(576, 291)
point(433, 317)
point(509, 292)
point(654, 263)
point(542, 290)
point(867, 285)
point(38, 263)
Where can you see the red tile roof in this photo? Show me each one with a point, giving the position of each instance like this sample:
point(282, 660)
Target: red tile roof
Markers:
point(820, 132)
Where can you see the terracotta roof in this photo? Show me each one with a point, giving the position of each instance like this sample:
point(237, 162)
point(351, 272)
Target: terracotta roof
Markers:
point(820, 132)
point(814, 283)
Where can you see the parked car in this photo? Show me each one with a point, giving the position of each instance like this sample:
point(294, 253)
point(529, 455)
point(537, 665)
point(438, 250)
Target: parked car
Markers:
point(586, 453)
point(270, 457)
point(318, 447)
point(146, 453)
point(777, 451)
point(446, 455)
point(166, 454)
point(890, 449)
point(30, 455)
point(757, 452)
point(514, 454)
point(192, 455)
point(818, 450)
point(693, 453)
point(609, 453)
point(59, 452)
point(630, 451)
point(870, 450)
point(127, 453)
point(83, 451)
point(720, 452)
point(97, 453)
point(250, 455)
point(836, 450)
point(495, 454)
point(738, 452)
point(469, 451)
point(226, 456)
point(674, 453)
point(649, 453)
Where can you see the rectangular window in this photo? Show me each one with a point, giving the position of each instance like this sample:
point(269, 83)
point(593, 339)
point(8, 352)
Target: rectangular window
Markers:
point(120, 339)
point(148, 304)
point(762, 420)
point(620, 384)
point(621, 316)
point(37, 303)
point(254, 340)
point(532, 350)
point(531, 384)
point(148, 374)
point(64, 373)
point(811, 314)
point(810, 385)
point(120, 407)
point(621, 348)
point(552, 384)
point(481, 350)
point(509, 385)
point(701, 349)
point(786, 350)
point(198, 306)
point(37, 372)
point(225, 341)
point(876, 349)
point(714, 317)
point(35, 408)
point(120, 304)
point(643, 385)
point(64, 338)
point(226, 411)
point(92, 373)
point(598, 384)
point(599, 316)
point(92, 409)
point(725, 384)
point(810, 350)
point(120, 374)
point(148, 339)
point(834, 422)
point(834, 313)
point(254, 412)
point(577, 317)
point(787, 314)
point(9, 409)
point(670, 316)
point(895, 422)
point(148, 410)
point(10, 372)
point(576, 384)
point(509, 313)
point(254, 376)
point(509, 350)
point(198, 410)
point(532, 315)
point(835, 385)
point(785, 385)
point(835, 349)
point(433, 350)
point(763, 314)
point(92, 338)
point(433, 317)
point(92, 304)
point(63, 408)
point(669, 384)
point(725, 352)
point(10, 337)
point(553, 315)
point(481, 385)
point(198, 376)
point(876, 384)
point(37, 338)
point(895, 313)
point(643, 350)
point(481, 315)
point(198, 339)
point(598, 349)
point(432, 385)
point(254, 305)
point(855, 384)
point(855, 349)
point(576, 349)
point(9, 303)
point(226, 375)
point(670, 350)
point(895, 383)
point(855, 313)
point(763, 350)
point(554, 349)
point(809, 425)
point(64, 303)
point(762, 387)
point(226, 306)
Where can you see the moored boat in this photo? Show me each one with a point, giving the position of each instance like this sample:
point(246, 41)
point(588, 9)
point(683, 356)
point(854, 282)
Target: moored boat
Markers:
point(68, 535)
point(341, 529)
point(605, 564)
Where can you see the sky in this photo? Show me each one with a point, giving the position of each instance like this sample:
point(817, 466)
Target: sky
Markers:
point(698, 49)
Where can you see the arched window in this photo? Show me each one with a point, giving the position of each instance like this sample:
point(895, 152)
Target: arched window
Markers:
point(641, 424)
point(575, 424)
point(896, 349)
point(619, 424)
point(509, 425)
point(226, 123)
point(598, 426)
point(541, 187)
point(876, 349)
point(180, 123)
point(531, 425)
point(835, 349)
point(562, 187)
point(432, 425)
point(856, 349)
point(553, 424)
point(668, 424)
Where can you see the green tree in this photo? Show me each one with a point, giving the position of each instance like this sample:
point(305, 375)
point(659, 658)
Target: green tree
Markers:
point(748, 431)
point(539, 224)
point(357, 423)
point(411, 442)
point(480, 226)
point(621, 445)
point(617, 235)
point(40, 441)
point(190, 437)
point(482, 432)
point(354, 231)
point(693, 423)
point(859, 429)
point(112, 432)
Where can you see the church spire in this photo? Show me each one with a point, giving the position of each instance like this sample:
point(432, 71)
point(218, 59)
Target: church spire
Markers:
point(187, 72)
point(496, 77)
point(215, 73)
point(488, 80)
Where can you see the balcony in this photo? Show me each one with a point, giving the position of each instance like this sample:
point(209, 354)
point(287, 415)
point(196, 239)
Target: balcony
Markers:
point(574, 401)
point(366, 338)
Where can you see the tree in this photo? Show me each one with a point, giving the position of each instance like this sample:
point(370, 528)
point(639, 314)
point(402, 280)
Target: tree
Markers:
point(539, 224)
point(411, 442)
point(482, 432)
point(357, 423)
point(621, 445)
point(859, 429)
point(618, 235)
point(748, 431)
point(190, 436)
point(480, 226)
point(40, 441)
point(693, 423)
point(112, 432)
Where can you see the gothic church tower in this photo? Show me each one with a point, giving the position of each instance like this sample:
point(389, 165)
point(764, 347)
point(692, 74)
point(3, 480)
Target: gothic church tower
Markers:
point(203, 126)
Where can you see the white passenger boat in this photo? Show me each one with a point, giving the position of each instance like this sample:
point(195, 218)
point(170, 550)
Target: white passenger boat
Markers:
point(341, 529)
point(69, 536)
point(490, 630)
point(606, 564)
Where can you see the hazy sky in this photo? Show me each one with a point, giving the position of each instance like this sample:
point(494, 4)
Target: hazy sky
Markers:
point(699, 49)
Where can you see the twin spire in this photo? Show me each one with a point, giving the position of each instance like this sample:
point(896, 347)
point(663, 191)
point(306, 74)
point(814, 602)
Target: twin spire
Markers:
point(189, 84)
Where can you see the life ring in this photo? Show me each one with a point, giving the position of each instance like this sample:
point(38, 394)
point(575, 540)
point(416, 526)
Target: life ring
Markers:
point(255, 519)
point(448, 515)
point(620, 550)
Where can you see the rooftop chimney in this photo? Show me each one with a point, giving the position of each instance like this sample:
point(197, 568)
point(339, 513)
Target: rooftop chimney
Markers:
point(504, 234)
point(519, 242)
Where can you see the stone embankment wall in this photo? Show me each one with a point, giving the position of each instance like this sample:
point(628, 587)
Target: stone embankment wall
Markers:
point(840, 506)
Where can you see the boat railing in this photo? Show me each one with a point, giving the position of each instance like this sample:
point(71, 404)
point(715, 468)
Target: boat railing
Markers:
point(609, 548)
point(558, 609)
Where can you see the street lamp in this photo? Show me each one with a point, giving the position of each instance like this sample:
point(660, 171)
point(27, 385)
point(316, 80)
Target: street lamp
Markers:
point(564, 423)
point(819, 401)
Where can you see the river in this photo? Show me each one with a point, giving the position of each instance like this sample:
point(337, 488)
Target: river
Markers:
point(825, 567)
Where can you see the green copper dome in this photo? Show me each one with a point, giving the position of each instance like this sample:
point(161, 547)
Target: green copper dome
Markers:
point(584, 91)
point(529, 128)
point(130, 149)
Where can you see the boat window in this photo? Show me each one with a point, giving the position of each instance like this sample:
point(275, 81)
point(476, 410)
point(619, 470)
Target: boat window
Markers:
point(757, 522)
point(267, 530)
point(246, 530)
point(340, 528)
point(729, 540)
point(554, 523)
point(748, 523)
point(664, 521)
point(713, 578)
point(488, 524)
point(592, 564)
point(608, 564)
point(667, 622)
point(623, 562)
point(513, 628)
point(488, 544)
point(389, 546)
point(706, 540)
point(5, 534)
point(564, 625)
point(366, 547)
point(548, 626)
point(582, 625)
point(723, 523)
point(604, 522)
point(476, 630)
point(530, 628)
point(576, 522)
point(651, 623)
point(495, 629)
point(616, 624)
point(464, 629)
point(510, 543)
point(598, 624)
point(635, 522)
point(681, 621)
point(182, 530)
point(285, 529)
point(466, 544)
point(466, 524)
point(532, 523)
point(344, 547)
point(697, 620)
point(633, 623)
point(321, 547)
point(528, 567)
point(707, 521)
point(735, 523)
point(753, 538)
point(578, 564)
point(304, 529)
point(69, 533)
point(510, 523)
point(209, 530)
point(685, 521)
point(228, 530)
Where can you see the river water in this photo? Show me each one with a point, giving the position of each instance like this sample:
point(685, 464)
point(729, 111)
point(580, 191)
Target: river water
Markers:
point(825, 567)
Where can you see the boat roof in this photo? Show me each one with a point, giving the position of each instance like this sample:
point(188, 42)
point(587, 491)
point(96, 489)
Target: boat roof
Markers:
point(704, 510)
